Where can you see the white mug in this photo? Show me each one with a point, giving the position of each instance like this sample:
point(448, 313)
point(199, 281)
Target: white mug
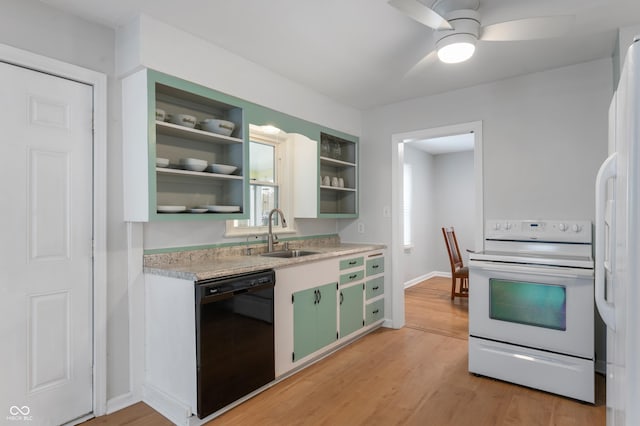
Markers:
point(326, 181)
point(334, 181)
point(341, 182)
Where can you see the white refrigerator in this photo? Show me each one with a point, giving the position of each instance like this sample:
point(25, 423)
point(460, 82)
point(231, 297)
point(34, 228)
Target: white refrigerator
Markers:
point(617, 235)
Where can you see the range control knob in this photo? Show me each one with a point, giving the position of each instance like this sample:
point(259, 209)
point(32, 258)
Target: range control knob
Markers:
point(563, 227)
point(507, 226)
point(496, 226)
point(576, 228)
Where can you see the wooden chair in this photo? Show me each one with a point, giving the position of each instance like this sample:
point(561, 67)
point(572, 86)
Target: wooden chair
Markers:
point(459, 272)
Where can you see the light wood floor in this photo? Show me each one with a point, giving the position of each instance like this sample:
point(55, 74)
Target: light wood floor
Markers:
point(413, 376)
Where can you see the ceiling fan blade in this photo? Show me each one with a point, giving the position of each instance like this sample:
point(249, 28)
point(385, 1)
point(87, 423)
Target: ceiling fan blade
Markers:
point(528, 28)
point(421, 13)
point(425, 62)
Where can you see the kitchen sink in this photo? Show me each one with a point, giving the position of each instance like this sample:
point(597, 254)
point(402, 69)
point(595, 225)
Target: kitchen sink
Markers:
point(289, 253)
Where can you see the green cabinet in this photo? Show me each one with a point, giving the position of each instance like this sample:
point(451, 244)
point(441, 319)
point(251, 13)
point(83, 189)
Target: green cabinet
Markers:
point(351, 310)
point(326, 176)
point(338, 163)
point(351, 277)
point(375, 266)
point(374, 311)
point(314, 319)
point(351, 263)
point(164, 135)
point(375, 287)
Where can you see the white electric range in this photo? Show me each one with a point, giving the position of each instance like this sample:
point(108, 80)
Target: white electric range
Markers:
point(531, 308)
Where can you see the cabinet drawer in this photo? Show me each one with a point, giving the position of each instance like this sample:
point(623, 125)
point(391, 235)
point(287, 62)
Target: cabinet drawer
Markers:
point(351, 277)
point(374, 311)
point(375, 266)
point(351, 263)
point(375, 287)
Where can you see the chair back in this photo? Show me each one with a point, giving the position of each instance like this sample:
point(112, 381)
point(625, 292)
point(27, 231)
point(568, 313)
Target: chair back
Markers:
point(452, 247)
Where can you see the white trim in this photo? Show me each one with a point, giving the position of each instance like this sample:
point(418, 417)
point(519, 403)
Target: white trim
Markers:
point(121, 401)
point(425, 277)
point(136, 308)
point(174, 410)
point(407, 206)
point(98, 81)
point(397, 161)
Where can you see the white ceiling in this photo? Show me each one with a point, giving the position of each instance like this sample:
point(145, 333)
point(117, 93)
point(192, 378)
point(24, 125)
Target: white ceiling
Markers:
point(358, 52)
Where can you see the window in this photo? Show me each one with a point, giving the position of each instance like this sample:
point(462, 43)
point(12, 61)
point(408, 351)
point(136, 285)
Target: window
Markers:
point(267, 188)
point(407, 196)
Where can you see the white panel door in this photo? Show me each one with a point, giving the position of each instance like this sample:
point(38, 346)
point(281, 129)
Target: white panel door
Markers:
point(45, 247)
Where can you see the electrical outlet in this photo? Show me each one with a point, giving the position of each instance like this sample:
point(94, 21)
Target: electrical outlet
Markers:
point(361, 227)
point(386, 211)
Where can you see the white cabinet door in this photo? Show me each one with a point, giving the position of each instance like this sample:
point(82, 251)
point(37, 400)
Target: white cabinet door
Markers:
point(305, 172)
point(45, 249)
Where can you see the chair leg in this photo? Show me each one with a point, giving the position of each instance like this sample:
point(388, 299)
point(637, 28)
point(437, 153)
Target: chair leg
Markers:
point(453, 287)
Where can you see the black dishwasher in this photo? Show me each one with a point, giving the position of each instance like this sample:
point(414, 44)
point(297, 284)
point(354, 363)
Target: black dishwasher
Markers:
point(234, 338)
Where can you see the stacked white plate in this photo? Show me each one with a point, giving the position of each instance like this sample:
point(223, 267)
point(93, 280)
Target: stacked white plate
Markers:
point(222, 169)
point(223, 209)
point(171, 209)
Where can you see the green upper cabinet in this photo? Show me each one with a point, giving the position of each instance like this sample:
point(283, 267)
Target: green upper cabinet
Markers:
point(326, 176)
point(339, 172)
point(154, 191)
point(199, 131)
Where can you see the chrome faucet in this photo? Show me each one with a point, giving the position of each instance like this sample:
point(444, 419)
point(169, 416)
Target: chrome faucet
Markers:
point(270, 236)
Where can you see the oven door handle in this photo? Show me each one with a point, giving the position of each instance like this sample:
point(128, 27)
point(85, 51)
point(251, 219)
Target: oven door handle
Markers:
point(559, 272)
point(607, 171)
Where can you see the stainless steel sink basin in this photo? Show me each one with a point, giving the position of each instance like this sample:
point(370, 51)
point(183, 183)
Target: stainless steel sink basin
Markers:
point(289, 253)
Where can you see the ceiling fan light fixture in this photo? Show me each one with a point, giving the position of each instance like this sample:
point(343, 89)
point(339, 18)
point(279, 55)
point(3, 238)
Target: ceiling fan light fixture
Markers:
point(456, 48)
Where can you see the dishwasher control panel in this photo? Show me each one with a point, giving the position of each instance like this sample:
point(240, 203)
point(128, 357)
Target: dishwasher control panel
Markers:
point(233, 284)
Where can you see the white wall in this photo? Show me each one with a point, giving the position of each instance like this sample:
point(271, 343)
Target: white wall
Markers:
point(145, 43)
point(455, 204)
point(36, 27)
point(33, 26)
point(153, 44)
point(544, 137)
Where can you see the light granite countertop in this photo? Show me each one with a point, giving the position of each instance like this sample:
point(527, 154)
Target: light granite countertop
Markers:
point(206, 264)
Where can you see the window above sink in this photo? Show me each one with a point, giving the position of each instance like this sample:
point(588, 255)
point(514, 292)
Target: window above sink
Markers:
point(269, 183)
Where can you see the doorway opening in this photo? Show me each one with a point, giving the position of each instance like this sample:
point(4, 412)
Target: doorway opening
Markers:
point(421, 158)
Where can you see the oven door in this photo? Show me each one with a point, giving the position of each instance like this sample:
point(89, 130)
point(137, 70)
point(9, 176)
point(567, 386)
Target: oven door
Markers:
point(544, 307)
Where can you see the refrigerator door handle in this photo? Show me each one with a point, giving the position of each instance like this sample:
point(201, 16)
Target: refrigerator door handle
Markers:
point(607, 171)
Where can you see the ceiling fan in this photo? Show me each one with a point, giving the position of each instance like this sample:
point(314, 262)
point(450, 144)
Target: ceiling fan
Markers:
point(458, 26)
